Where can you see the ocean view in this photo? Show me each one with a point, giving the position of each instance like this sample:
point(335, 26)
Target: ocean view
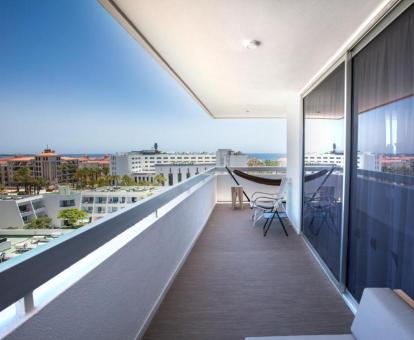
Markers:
point(261, 156)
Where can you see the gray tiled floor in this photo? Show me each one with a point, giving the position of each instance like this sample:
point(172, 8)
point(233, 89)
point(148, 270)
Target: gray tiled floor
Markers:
point(236, 283)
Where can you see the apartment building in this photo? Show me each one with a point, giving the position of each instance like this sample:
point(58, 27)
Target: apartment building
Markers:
point(176, 173)
point(47, 166)
point(13, 164)
point(324, 159)
point(93, 162)
point(228, 157)
point(15, 211)
point(102, 201)
point(3, 172)
point(67, 170)
point(143, 162)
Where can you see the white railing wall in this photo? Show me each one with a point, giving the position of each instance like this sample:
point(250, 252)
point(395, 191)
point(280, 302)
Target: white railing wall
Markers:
point(117, 299)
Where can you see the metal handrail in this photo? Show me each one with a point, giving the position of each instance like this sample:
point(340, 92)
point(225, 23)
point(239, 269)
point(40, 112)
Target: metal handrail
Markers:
point(20, 276)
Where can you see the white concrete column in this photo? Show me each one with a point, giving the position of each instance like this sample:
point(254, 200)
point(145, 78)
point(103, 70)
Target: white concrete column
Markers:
point(294, 159)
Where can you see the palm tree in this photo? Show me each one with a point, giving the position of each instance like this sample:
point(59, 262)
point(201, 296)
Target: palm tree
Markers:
point(23, 177)
point(127, 181)
point(114, 179)
point(40, 183)
point(160, 179)
point(105, 171)
point(81, 176)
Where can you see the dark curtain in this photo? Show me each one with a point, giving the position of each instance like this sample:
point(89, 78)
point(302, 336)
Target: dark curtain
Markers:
point(381, 232)
point(327, 100)
point(322, 201)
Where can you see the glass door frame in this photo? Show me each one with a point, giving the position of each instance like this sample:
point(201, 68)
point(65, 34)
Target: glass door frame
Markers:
point(394, 10)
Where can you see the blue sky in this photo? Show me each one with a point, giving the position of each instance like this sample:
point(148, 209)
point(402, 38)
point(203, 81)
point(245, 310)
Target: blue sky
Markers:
point(71, 77)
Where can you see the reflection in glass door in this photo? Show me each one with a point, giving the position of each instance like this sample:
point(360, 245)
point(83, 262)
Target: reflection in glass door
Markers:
point(323, 168)
point(381, 231)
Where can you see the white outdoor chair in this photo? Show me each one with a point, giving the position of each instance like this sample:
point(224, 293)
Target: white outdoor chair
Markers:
point(267, 205)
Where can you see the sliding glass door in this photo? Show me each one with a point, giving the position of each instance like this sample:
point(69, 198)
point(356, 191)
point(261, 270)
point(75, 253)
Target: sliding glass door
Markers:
point(381, 230)
point(323, 168)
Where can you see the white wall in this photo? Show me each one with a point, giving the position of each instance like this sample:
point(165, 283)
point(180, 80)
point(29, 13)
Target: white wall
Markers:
point(294, 159)
point(52, 205)
point(10, 215)
point(115, 299)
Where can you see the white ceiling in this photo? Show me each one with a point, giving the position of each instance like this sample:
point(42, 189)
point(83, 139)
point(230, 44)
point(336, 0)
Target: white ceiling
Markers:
point(201, 44)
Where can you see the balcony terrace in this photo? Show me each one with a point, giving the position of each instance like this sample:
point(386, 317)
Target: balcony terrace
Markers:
point(180, 264)
point(237, 283)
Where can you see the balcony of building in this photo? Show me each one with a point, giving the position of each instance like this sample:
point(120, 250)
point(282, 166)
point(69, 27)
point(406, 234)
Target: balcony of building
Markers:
point(182, 263)
point(237, 283)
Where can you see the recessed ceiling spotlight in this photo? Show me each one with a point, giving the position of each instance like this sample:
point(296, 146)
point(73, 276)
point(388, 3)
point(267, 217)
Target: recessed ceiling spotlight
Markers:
point(252, 44)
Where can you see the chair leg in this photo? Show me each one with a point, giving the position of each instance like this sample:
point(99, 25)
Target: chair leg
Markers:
point(264, 226)
point(281, 222)
point(268, 226)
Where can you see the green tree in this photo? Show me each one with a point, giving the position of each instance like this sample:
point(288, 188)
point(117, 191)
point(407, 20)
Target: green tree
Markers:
point(127, 181)
point(23, 177)
point(102, 181)
point(105, 171)
point(81, 176)
point(254, 162)
point(268, 162)
point(73, 217)
point(41, 183)
point(159, 179)
point(41, 222)
point(114, 180)
point(68, 173)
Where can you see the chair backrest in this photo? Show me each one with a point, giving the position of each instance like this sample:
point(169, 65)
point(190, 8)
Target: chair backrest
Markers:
point(327, 193)
point(382, 314)
point(282, 187)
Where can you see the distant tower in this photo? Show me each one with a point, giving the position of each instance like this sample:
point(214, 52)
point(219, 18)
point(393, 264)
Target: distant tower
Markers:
point(156, 147)
point(334, 148)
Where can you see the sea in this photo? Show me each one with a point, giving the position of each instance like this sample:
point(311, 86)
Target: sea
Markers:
point(267, 156)
point(261, 156)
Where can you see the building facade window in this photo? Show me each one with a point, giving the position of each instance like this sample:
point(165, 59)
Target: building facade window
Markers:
point(67, 203)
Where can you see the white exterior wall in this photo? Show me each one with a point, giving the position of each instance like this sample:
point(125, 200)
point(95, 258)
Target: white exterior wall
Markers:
point(294, 160)
point(324, 158)
point(227, 157)
point(113, 201)
point(143, 163)
point(119, 165)
point(52, 204)
point(238, 160)
point(133, 163)
point(10, 216)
